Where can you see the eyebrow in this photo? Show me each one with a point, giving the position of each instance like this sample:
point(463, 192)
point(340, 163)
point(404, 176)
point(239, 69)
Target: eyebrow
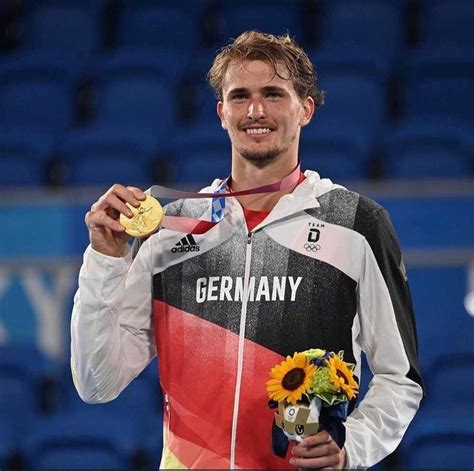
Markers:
point(267, 89)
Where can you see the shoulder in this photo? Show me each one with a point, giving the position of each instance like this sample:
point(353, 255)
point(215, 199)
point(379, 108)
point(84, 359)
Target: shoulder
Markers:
point(349, 209)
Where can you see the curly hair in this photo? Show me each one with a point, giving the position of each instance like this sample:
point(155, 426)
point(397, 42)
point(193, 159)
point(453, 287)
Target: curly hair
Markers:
point(254, 45)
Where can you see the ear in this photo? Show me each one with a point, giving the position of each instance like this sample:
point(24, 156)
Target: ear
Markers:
point(220, 112)
point(307, 111)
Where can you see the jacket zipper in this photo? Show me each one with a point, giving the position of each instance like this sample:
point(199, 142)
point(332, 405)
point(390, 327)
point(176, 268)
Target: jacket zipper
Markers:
point(166, 439)
point(240, 354)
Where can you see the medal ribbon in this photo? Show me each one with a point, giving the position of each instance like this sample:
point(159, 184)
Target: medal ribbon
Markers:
point(188, 225)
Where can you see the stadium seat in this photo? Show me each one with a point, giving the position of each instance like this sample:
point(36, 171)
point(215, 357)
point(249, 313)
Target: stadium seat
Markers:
point(337, 58)
point(70, 26)
point(447, 21)
point(23, 157)
point(452, 376)
point(37, 91)
point(148, 24)
point(22, 370)
point(352, 98)
point(202, 153)
point(6, 445)
point(438, 296)
point(422, 149)
point(134, 90)
point(103, 155)
point(437, 84)
point(22, 172)
point(334, 151)
point(370, 25)
point(268, 16)
point(80, 440)
point(440, 442)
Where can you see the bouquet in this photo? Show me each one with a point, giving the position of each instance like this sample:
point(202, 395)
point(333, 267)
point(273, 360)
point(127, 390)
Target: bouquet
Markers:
point(311, 390)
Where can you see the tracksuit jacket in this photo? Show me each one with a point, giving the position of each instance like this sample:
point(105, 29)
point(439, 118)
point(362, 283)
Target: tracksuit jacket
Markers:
point(220, 309)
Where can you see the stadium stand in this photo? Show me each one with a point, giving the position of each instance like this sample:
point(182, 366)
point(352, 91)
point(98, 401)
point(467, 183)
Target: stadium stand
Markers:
point(447, 22)
point(73, 27)
point(418, 148)
point(369, 25)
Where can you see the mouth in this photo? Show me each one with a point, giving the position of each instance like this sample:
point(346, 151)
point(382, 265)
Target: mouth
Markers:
point(258, 133)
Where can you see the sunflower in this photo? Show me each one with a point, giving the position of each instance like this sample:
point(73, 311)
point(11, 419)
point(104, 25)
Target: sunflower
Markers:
point(290, 379)
point(341, 377)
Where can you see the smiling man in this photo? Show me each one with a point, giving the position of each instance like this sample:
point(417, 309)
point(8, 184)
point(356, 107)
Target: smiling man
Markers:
point(309, 265)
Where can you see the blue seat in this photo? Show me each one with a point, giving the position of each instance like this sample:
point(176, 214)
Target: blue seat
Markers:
point(438, 295)
point(23, 157)
point(437, 84)
point(447, 21)
point(147, 23)
point(135, 91)
point(268, 16)
point(334, 151)
point(6, 445)
point(422, 149)
point(18, 143)
point(331, 57)
point(110, 170)
point(439, 442)
point(22, 172)
point(202, 153)
point(103, 155)
point(452, 376)
point(80, 440)
point(367, 24)
point(352, 98)
point(71, 26)
point(22, 369)
point(37, 91)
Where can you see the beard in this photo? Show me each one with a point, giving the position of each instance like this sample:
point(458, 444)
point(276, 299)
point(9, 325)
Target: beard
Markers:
point(261, 159)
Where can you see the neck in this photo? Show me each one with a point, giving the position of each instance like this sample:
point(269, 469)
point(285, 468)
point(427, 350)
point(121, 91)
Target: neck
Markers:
point(246, 175)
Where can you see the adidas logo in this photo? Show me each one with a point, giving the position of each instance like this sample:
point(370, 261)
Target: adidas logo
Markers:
point(186, 244)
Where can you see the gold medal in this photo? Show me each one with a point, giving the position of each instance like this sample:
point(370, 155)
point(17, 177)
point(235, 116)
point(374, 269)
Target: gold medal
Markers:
point(146, 218)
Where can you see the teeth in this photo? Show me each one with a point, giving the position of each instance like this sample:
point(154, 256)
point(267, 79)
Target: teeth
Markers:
point(258, 131)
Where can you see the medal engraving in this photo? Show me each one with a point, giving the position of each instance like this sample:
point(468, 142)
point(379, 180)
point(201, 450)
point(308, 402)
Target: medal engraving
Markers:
point(146, 218)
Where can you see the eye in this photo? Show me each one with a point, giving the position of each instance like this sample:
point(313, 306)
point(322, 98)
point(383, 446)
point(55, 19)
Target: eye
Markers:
point(274, 95)
point(239, 97)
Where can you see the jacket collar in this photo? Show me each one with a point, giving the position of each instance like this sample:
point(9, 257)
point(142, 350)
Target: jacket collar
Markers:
point(305, 196)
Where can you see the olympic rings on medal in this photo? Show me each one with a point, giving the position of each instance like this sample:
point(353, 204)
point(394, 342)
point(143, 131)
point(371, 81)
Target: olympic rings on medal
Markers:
point(312, 247)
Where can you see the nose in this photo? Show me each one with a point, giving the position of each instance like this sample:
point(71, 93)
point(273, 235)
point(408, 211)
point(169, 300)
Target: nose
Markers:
point(256, 110)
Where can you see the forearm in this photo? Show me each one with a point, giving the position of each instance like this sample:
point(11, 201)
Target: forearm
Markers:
point(110, 341)
point(376, 427)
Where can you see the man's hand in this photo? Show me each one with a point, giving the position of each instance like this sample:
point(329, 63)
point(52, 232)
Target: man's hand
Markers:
point(106, 234)
point(318, 451)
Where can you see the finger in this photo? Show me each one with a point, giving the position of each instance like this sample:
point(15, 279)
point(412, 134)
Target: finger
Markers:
point(321, 462)
point(139, 194)
point(317, 439)
point(316, 451)
point(111, 201)
point(100, 219)
point(120, 192)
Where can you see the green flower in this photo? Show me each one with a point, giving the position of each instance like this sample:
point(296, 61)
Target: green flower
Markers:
point(313, 353)
point(321, 382)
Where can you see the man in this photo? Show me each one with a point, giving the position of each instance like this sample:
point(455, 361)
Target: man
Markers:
point(311, 266)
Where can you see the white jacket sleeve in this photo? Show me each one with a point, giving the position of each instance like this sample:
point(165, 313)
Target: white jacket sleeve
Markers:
point(388, 337)
point(112, 327)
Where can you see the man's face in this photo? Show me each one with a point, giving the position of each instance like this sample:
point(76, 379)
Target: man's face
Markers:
point(261, 111)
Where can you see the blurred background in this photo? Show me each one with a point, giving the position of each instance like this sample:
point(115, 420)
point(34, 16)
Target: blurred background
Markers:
point(94, 92)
